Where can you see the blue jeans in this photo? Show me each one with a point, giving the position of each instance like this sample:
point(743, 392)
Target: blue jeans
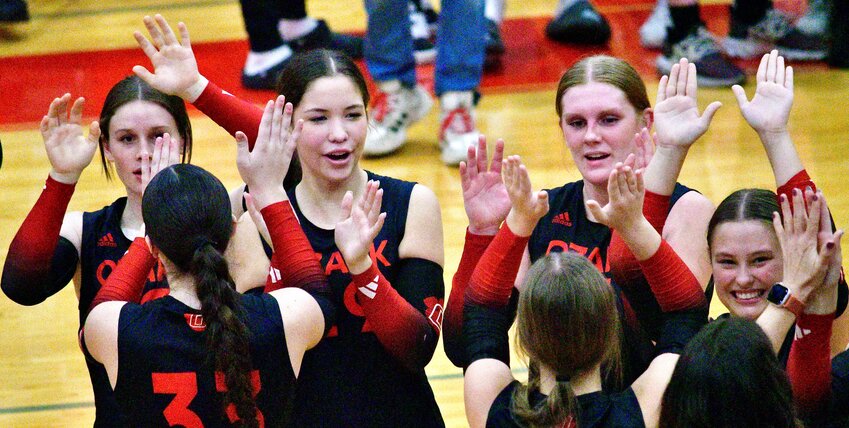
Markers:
point(460, 44)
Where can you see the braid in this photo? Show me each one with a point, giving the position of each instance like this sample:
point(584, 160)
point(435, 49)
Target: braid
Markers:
point(560, 408)
point(226, 334)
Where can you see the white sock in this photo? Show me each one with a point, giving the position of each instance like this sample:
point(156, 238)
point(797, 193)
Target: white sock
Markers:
point(257, 62)
point(494, 10)
point(293, 28)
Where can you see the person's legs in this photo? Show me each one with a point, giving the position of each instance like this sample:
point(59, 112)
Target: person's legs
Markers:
point(757, 28)
point(390, 61)
point(688, 38)
point(459, 66)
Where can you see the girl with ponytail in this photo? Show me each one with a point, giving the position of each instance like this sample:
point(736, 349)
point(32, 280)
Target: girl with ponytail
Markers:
point(206, 355)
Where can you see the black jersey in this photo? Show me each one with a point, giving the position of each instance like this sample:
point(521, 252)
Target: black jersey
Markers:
point(619, 410)
point(166, 376)
point(349, 379)
point(102, 245)
point(566, 228)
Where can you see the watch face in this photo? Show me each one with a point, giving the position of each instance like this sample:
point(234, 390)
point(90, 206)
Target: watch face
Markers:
point(778, 294)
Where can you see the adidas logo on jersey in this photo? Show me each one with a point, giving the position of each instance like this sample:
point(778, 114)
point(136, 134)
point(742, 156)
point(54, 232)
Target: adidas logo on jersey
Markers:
point(370, 289)
point(106, 241)
point(562, 218)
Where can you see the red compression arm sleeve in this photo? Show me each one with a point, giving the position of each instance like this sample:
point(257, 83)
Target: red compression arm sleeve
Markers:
point(809, 363)
point(799, 181)
point(493, 279)
point(229, 112)
point(30, 252)
point(294, 263)
point(624, 267)
point(452, 325)
point(126, 282)
point(673, 285)
point(399, 327)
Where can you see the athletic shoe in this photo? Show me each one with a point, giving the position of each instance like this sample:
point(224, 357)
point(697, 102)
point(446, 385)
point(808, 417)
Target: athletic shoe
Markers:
point(816, 20)
point(579, 24)
point(423, 49)
point(700, 48)
point(774, 31)
point(653, 31)
point(494, 44)
point(457, 126)
point(394, 109)
point(319, 37)
point(13, 11)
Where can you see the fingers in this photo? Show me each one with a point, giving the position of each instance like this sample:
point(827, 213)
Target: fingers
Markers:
point(497, 156)
point(825, 217)
point(683, 71)
point(242, 152)
point(76, 116)
point(94, 132)
point(264, 132)
point(156, 162)
point(707, 115)
point(614, 189)
point(813, 214)
point(661, 89)
point(277, 120)
point(184, 35)
point(779, 70)
point(740, 94)
point(672, 84)
point(771, 66)
point(788, 78)
point(595, 210)
point(155, 35)
point(167, 32)
point(145, 168)
point(761, 75)
point(348, 203)
point(292, 143)
point(799, 215)
point(145, 44)
point(481, 155)
point(691, 87)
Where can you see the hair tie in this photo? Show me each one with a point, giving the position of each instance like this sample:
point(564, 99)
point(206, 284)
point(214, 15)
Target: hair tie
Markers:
point(562, 378)
point(201, 241)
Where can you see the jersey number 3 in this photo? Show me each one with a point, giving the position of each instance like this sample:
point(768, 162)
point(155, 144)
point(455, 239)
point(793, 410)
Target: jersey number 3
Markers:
point(184, 387)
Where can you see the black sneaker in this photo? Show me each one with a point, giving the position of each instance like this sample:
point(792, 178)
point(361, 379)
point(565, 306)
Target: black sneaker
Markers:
point(579, 24)
point(266, 79)
point(322, 37)
point(701, 49)
point(774, 31)
point(13, 11)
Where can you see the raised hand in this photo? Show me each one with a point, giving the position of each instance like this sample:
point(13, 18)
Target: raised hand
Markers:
point(68, 151)
point(484, 195)
point(626, 192)
point(166, 152)
point(174, 64)
point(355, 234)
point(805, 265)
point(264, 168)
point(824, 301)
point(676, 113)
point(644, 152)
point(769, 109)
point(528, 206)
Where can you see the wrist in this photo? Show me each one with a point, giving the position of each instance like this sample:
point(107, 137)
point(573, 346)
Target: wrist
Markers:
point(641, 238)
point(782, 296)
point(264, 197)
point(483, 230)
point(192, 93)
point(65, 177)
point(359, 265)
point(520, 225)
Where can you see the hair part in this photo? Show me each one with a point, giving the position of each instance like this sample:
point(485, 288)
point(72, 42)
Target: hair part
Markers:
point(728, 376)
point(604, 69)
point(744, 205)
point(567, 321)
point(132, 88)
point(188, 217)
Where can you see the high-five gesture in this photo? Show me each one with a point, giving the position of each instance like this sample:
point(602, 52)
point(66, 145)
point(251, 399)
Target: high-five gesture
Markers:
point(528, 206)
point(805, 262)
point(625, 190)
point(769, 109)
point(676, 113)
point(175, 68)
point(166, 152)
point(355, 234)
point(67, 149)
point(484, 195)
point(264, 168)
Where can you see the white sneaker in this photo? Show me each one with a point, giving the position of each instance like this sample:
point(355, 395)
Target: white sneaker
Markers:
point(457, 129)
point(653, 31)
point(816, 20)
point(395, 108)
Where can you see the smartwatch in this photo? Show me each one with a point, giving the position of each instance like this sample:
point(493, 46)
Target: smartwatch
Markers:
point(781, 296)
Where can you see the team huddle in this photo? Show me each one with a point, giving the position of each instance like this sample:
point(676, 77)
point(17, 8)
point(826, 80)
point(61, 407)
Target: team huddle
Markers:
point(200, 307)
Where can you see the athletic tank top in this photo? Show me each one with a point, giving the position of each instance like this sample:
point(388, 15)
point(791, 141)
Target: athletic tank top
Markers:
point(102, 245)
point(166, 376)
point(567, 228)
point(349, 379)
point(598, 410)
